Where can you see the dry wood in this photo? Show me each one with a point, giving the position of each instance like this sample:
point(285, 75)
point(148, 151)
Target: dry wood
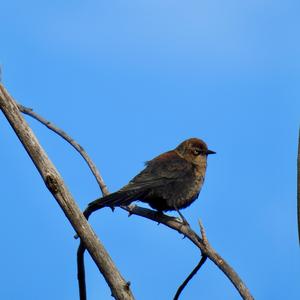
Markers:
point(201, 243)
point(192, 274)
point(71, 141)
point(54, 182)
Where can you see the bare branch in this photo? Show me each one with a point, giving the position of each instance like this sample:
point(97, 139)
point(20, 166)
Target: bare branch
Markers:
point(298, 185)
point(96, 173)
point(72, 142)
point(173, 223)
point(193, 273)
point(204, 247)
point(56, 186)
point(81, 271)
point(203, 233)
point(199, 265)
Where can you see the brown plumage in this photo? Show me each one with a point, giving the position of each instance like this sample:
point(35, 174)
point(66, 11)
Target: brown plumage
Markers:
point(171, 181)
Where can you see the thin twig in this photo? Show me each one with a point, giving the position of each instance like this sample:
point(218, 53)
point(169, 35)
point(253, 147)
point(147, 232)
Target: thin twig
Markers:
point(199, 265)
point(298, 186)
point(192, 274)
point(72, 142)
point(81, 271)
point(203, 233)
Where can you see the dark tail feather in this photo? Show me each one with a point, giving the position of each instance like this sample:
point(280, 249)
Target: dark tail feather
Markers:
point(115, 199)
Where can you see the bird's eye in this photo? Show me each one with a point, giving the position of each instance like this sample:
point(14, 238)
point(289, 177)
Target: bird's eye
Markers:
point(196, 152)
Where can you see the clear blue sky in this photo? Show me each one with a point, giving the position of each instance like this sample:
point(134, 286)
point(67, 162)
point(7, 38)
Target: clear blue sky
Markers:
point(129, 80)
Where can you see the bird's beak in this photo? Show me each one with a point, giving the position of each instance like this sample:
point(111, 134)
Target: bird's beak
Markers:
point(210, 152)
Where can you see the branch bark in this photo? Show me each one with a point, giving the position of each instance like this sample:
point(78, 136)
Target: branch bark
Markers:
point(55, 184)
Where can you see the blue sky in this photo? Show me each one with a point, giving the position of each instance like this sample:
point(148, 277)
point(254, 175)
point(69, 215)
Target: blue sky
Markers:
point(129, 80)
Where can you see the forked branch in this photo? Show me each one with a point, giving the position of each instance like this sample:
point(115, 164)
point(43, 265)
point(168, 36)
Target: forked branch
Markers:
point(173, 223)
point(57, 187)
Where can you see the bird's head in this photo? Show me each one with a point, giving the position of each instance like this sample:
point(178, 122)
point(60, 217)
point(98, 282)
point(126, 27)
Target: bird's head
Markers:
point(194, 150)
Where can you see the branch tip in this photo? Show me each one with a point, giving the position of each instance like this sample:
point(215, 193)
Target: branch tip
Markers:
point(191, 275)
point(127, 285)
point(203, 233)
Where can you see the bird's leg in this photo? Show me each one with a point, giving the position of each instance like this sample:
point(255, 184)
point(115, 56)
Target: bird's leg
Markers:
point(183, 219)
point(159, 213)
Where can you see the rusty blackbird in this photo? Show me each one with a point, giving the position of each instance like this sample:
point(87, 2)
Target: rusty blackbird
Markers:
point(170, 181)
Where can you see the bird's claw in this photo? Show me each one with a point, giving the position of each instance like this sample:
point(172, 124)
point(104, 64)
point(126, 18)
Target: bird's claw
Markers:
point(184, 221)
point(182, 218)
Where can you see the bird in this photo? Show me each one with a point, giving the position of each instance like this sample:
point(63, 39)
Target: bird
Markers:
point(170, 182)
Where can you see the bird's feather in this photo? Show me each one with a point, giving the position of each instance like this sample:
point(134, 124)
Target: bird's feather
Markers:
point(158, 173)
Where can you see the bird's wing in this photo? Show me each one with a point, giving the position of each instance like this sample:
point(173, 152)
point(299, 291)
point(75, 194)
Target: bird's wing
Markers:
point(160, 171)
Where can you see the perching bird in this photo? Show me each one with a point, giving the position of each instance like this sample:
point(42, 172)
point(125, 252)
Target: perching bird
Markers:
point(170, 181)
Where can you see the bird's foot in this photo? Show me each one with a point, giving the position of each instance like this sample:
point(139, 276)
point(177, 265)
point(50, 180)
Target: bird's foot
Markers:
point(183, 219)
point(159, 214)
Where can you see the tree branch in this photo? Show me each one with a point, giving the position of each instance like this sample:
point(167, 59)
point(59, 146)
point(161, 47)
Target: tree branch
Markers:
point(197, 268)
point(193, 273)
point(81, 271)
point(54, 182)
point(72, 142)
point(96, 173)
point(171, 222)
point(204, 247)
point(298, 185)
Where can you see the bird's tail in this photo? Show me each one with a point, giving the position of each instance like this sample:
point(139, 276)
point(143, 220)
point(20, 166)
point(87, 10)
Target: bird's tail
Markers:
point(115, 199)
